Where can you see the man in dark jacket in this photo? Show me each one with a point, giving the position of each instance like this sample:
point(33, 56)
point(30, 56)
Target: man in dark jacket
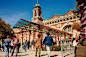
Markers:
point(48, 41)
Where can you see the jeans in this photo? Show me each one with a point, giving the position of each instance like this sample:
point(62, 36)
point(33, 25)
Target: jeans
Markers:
point(48, 50)
point(6, 50)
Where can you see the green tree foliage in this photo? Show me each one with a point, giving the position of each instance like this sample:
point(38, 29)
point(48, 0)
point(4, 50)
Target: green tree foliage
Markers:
point(5, 29)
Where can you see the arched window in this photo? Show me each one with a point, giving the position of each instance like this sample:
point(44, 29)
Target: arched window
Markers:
point(52, 22)
point(78, 16)
point(58, 20)
point(63, 19)
point(68, 28)
point(74, 17)
point(39, 12)
point(70, 17)
point(55, 21)
point(34, 12)
point(67, 18)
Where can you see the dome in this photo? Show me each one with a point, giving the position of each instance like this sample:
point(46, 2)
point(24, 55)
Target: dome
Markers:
point(37, 4)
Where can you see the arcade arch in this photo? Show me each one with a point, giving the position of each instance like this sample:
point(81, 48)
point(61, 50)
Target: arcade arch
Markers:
point(67, 27)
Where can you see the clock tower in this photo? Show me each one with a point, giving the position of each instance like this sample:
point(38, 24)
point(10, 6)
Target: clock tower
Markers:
point(37, 14)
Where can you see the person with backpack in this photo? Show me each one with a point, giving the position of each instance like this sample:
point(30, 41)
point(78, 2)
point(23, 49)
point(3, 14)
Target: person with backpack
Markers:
point(48, 42)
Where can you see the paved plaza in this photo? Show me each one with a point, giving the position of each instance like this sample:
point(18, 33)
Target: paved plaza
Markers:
point(31, 53)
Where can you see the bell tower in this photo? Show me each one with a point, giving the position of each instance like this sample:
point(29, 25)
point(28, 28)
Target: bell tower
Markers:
point(37, 14)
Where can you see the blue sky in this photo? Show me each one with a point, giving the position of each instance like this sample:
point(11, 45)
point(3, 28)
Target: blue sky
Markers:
point(12, 10)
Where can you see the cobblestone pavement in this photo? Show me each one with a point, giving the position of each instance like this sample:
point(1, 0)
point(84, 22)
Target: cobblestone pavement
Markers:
point(31, 53)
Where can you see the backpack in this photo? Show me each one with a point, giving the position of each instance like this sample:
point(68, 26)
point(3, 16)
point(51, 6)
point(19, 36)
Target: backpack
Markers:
point(48, 41)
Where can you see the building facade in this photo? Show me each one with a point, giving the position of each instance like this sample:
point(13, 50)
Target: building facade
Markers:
point(60, 22)
point(64, 22)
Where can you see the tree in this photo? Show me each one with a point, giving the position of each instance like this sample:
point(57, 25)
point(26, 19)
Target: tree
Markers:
point(5, 29)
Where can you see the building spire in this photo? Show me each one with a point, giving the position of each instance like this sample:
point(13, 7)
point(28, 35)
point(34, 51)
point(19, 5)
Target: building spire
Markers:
point(37, 1)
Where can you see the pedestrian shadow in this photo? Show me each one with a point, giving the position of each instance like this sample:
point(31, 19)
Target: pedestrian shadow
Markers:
point(50, 56)
point(44, 54)
point(53, 55)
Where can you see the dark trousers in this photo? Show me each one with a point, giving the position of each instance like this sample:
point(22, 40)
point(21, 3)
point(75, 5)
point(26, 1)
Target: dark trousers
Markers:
point(28, 44)
point(7, 46)
point(75, 51)
point(17, 50)
point(13, 51)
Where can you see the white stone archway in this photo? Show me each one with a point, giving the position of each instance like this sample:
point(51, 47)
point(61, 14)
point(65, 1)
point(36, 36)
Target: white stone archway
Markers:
point(67, 26)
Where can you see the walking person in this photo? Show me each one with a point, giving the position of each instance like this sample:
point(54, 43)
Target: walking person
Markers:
point(32, 44)
point(75, 43)
point(15, 45)
point(11, 45)
point(25, 45)
point(28, 44)
point(38, 45)
point(7, 42)
point(18, 46)
point(48, 41)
